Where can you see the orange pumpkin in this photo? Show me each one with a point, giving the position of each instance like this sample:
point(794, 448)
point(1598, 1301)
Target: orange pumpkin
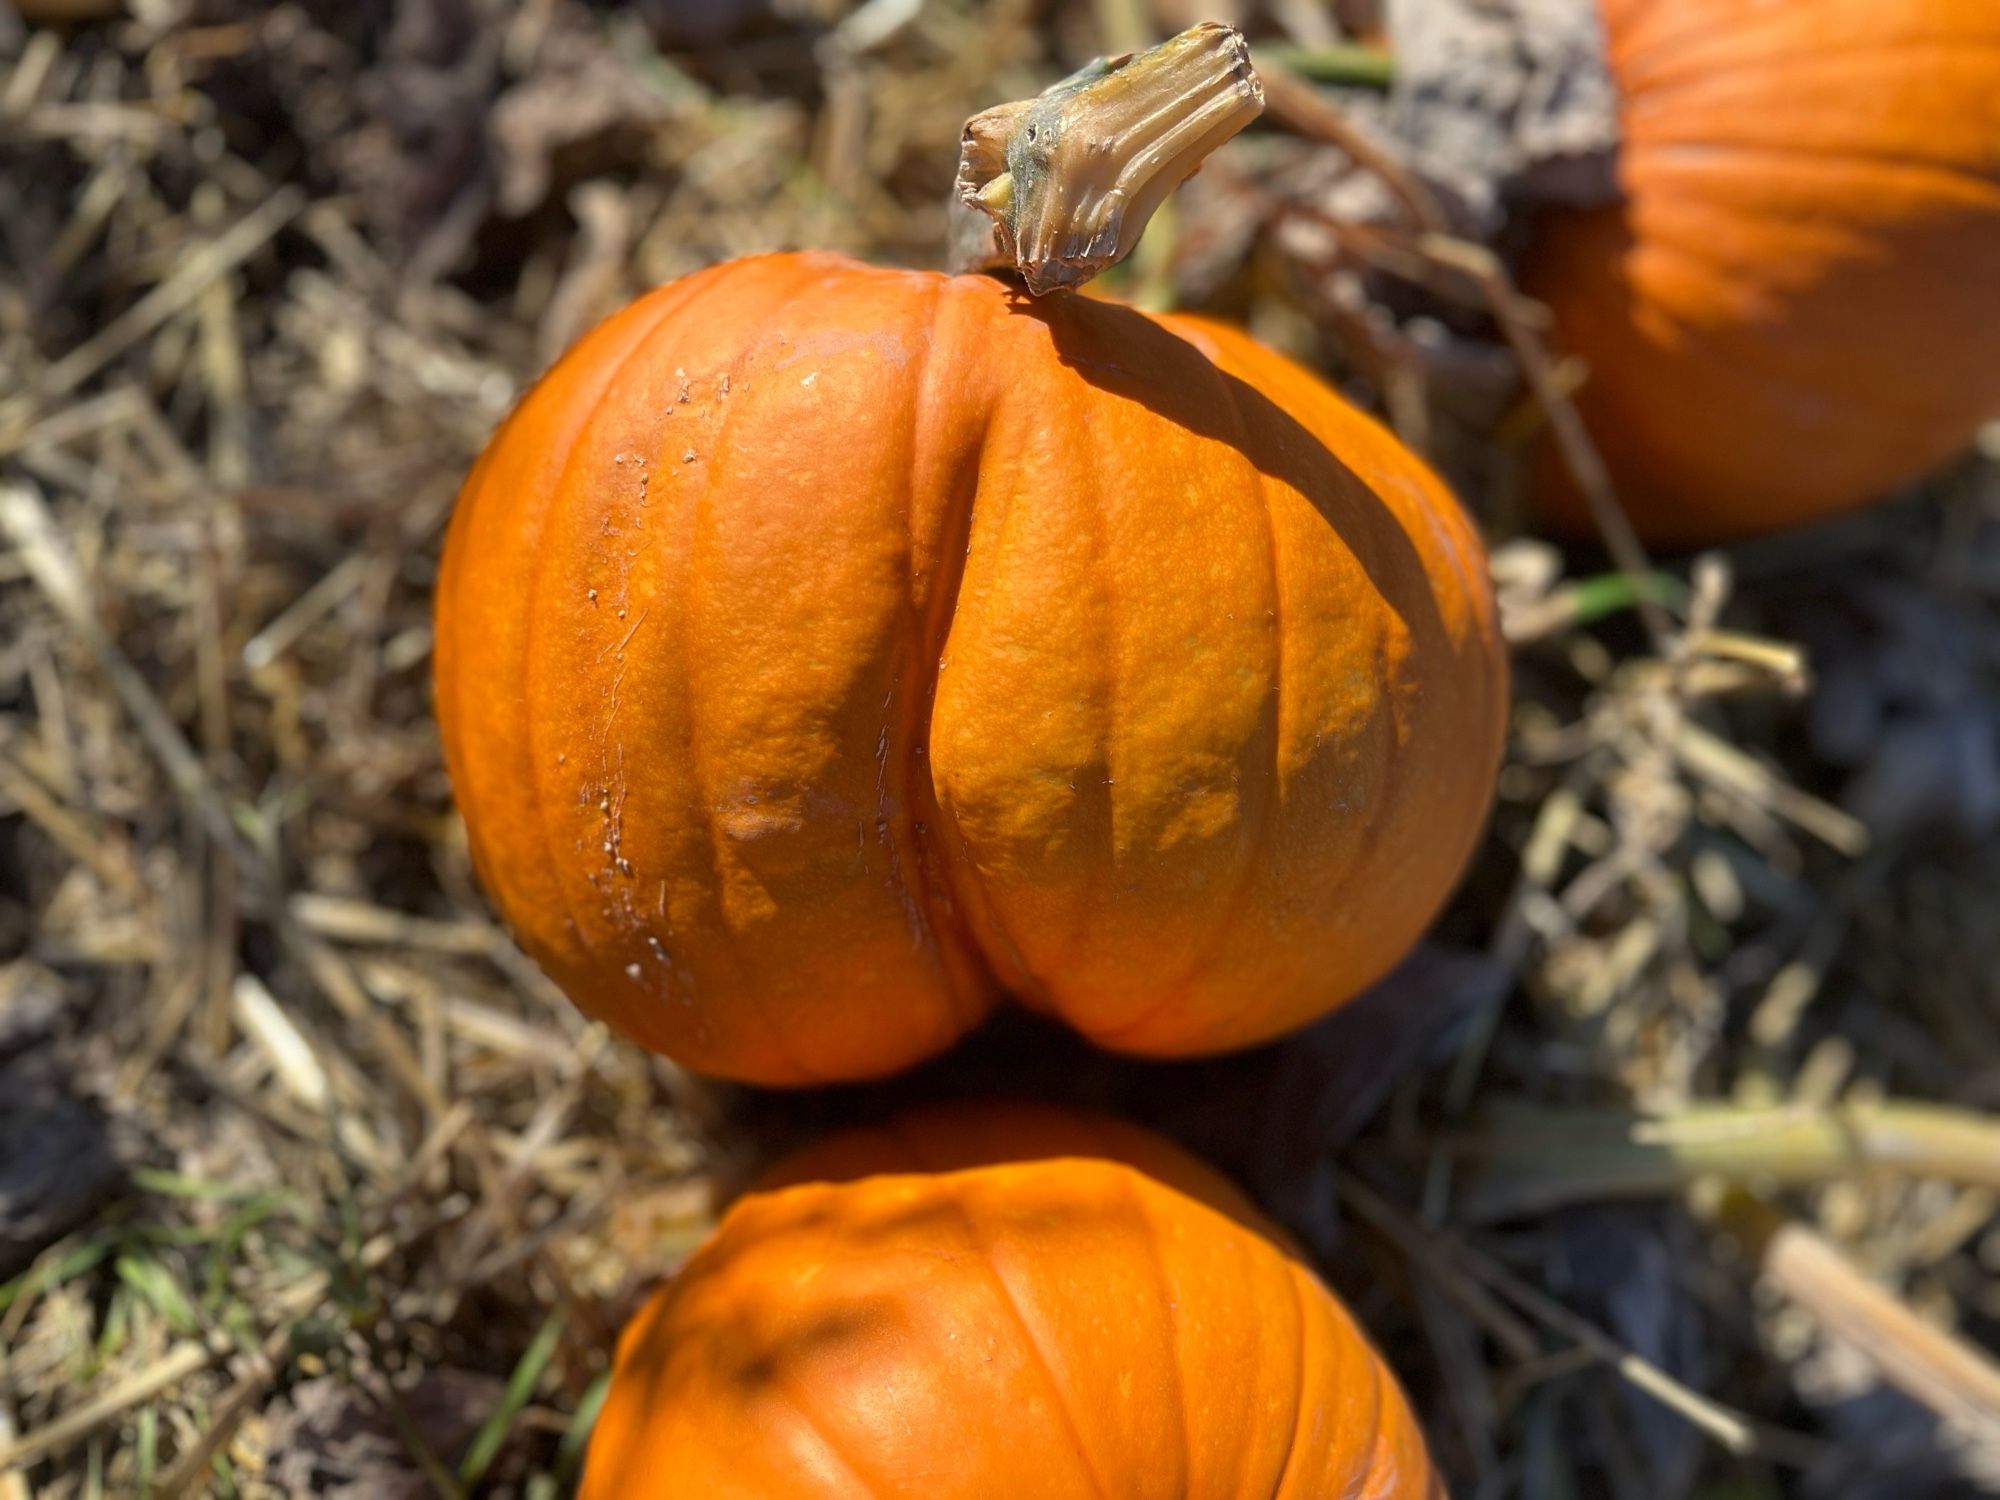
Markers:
point(1000, 1301)
point(1797, 307)
point(824, 651)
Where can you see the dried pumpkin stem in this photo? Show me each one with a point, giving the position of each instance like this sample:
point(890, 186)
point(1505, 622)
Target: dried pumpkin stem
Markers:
point(1069, 179)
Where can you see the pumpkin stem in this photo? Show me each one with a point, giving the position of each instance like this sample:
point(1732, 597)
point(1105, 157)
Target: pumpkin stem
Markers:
point(1070, 178)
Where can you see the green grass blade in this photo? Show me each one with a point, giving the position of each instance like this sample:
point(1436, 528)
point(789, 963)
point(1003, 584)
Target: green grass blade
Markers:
point(520, 1386)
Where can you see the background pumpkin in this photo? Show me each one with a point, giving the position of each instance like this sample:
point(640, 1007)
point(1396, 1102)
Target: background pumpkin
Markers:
point(1000, 1300)
point(822, 650)
point(1797, 308)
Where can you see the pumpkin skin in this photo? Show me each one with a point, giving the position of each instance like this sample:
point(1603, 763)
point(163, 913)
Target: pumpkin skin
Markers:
point(999, 1301)
point(824, 651)
point(1797, 307)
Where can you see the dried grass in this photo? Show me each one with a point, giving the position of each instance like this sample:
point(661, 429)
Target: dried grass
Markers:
point(351, 1198)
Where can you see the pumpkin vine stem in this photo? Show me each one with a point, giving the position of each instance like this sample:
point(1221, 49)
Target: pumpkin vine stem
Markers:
point(1070, 178)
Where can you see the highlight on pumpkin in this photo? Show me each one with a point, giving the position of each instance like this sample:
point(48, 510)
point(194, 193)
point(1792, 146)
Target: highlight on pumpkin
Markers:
point(999, 1300)
point(1796, 308)
point(826, 653)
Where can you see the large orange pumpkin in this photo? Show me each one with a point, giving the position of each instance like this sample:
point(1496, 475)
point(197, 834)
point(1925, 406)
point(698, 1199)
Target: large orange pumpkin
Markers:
point(823, 651)
point(1000, 1302)
point(1797, 307)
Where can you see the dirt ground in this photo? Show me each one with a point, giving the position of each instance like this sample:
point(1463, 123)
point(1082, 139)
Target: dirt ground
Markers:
point(311, 1184)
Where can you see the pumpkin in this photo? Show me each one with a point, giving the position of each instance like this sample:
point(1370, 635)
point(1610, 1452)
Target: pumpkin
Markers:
point(1797, 306)
point(999, 1301)
point(825, 651)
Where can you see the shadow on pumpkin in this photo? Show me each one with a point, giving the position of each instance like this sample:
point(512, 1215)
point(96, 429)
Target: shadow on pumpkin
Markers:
point(1125, 353)
point(1133, 357)
point(1271, 1120)
point(759, 1329)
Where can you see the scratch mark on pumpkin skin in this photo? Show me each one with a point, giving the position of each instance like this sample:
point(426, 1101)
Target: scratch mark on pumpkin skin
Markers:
point(618, 870)
point(618, 679)
point(912, 914)
point(538, 570)
point(635, 628)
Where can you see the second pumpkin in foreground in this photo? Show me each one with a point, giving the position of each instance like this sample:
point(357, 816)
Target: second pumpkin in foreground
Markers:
point(1000, 1301)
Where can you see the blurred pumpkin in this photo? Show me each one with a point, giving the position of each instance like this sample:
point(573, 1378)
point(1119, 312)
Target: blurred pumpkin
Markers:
point(823, 651)
point(1797, 307)
point(999, 1301)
